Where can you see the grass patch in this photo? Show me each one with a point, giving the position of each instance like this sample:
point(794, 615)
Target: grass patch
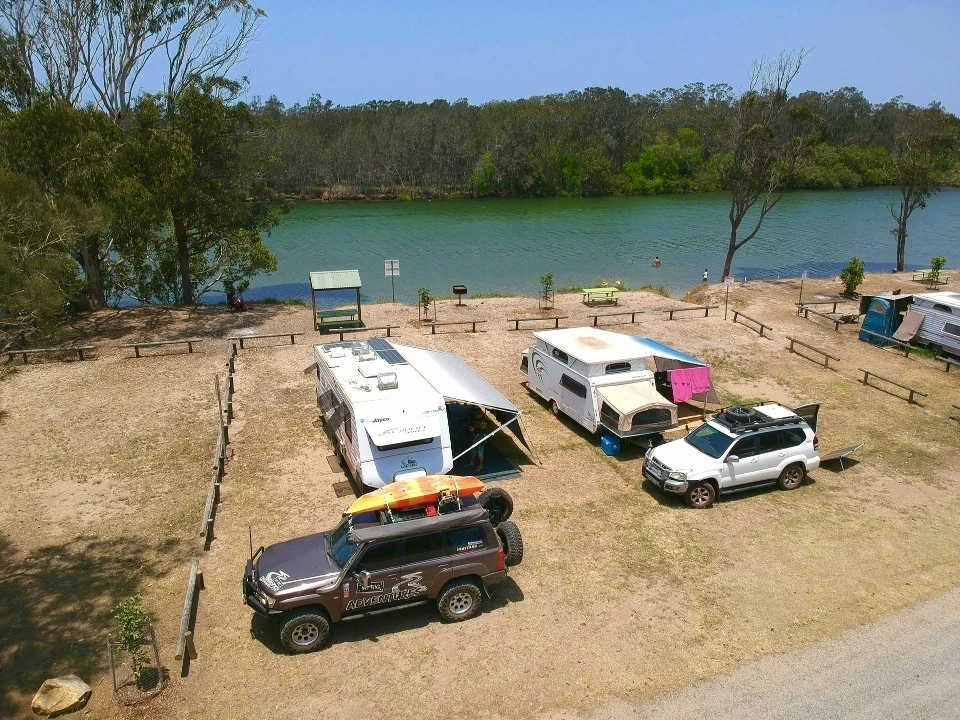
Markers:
point(924, 352)
point(658, 289)
point(572, 290)
point(276, 301)
point(489, 295)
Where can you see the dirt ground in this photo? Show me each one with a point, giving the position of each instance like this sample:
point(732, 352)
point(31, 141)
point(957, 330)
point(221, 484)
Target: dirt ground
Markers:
point(623, 593)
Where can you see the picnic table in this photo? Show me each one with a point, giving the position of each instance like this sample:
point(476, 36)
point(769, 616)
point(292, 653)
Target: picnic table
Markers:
point(343, 316)
point(600, 294)
point(929, 276)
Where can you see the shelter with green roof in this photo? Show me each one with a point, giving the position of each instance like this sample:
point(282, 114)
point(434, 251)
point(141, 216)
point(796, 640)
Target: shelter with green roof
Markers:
point(333, 280)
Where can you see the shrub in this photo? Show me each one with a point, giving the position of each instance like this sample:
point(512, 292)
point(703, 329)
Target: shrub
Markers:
point(852, 275)
point(425, 299)
point(546, 286)
point(936, 265)
point(132, 623)
point(658, 289)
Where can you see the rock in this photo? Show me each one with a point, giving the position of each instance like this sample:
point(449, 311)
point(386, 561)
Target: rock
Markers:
point(61, 695)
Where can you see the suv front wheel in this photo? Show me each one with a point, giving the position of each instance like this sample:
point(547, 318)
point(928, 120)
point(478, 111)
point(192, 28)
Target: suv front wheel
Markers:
point(700, 496)
point(305, 630)
point(792, 477)
point(459, 601)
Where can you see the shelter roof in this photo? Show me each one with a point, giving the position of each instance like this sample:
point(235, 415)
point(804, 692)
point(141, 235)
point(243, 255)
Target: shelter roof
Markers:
point(335, 280)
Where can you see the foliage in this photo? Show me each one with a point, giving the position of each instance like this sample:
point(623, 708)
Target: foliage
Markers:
point(425, 299)
point(133, 621)
point(936, 266)
point(546, 286)
point(658, 289)
point(852, 275)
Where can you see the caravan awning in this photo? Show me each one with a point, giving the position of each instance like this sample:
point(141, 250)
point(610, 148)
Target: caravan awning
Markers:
point(457, 381)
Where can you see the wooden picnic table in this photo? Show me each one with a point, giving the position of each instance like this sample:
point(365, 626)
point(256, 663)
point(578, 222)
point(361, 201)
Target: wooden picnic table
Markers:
point(600, 294)
point(343, 316)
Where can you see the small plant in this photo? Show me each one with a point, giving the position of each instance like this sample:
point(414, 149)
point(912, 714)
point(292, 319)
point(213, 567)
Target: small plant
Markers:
point(936, 266)
point(658, 289)
point(425, 299)
point(852, 275)
point(132, 623)
point(546, 286)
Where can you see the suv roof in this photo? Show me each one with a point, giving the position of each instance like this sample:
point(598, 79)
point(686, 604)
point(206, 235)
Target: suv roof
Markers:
point(739, 420)
point(419, 526)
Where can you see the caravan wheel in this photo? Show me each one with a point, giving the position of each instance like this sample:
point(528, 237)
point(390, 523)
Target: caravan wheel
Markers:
point(554, 408)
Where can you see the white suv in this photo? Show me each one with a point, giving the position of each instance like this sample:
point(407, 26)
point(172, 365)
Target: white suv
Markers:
point(739, 449)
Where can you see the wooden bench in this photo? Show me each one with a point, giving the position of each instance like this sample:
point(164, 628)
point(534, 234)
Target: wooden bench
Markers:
point(827, 357)
point(334, 317)
point(705, 308)
point(802, 305)
point(157, 343)
point(555, 318)
point(948, 362)
point(79, 349)
point(836, 321)
point(185, 644)
point(472, 323)
point(632, 313)
point(241, 338)
point(737, 313)
point(595, 295)
point(867, 374)
point(907, 348)
point(345, 331)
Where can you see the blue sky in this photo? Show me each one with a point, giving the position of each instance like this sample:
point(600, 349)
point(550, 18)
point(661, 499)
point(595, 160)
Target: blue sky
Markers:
point(358, 51)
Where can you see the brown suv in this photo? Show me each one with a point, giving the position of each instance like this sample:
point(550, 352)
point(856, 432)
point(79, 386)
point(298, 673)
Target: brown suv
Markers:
point(372, 563)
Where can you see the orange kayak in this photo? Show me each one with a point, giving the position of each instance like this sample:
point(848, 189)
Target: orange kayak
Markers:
point(417, 492)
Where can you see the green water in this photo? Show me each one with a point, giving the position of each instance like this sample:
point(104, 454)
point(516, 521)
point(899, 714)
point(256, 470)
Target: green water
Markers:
point(506, 245)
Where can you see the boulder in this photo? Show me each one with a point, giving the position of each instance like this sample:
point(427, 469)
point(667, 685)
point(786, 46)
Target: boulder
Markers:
point(60, 695)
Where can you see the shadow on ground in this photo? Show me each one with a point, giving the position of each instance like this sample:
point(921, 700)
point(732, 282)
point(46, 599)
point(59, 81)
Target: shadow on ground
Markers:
point(57, 612)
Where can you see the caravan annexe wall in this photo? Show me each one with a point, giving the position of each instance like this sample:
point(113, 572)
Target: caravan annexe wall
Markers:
point(386, 421)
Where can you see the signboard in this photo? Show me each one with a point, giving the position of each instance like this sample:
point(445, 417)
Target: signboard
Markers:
point(391, 268)
point(728, 280)
point(805, 276)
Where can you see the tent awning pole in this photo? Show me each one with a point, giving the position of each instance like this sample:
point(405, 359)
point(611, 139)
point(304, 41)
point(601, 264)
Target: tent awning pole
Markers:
point(487, 437)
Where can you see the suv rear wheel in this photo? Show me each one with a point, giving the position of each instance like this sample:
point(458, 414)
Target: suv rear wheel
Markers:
point(700, 495)
point(512, 542)
point(459, 601)
point(792, 477)
point(305, 630)
point(498, 503)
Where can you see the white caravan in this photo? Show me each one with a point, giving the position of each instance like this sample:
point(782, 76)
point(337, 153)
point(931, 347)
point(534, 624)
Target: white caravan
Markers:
point(939, 325)
point(387, 420)
point(610, 382)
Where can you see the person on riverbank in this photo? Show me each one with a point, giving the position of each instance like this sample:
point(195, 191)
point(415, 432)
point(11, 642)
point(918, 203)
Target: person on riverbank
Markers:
point(656, 261)
point(706, 275)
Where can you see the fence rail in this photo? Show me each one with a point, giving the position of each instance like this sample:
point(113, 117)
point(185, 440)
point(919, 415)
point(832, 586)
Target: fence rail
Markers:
point(632, 313)
point(347, 331)
point(706, 310)
point(472, 323)
point(555, 319)
point(242, 338)
point(827, 357)
point(757, 322)
point(185, 645)
point(79, 349)
point(867, 374)
point(836, 321)
point(902, 345)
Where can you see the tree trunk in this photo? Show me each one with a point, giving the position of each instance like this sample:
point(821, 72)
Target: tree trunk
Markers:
point(731, 251)
point(901, 245)
point(90, 262)
point(183, 260)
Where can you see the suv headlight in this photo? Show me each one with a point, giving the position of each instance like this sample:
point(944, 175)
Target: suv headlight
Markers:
point(268, 601)
point(677, 475)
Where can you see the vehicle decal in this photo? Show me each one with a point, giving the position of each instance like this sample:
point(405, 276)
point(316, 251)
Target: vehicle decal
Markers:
point(374, 587)
point(274, 580)
point(538, 367)
point(407, 588)
point(408, 463)
point(346, 590)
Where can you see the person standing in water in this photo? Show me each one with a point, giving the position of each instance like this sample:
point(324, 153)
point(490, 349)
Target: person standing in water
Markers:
point(656, 261)
point(706, 275)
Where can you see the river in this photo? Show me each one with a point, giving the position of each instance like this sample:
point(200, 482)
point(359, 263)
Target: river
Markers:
point(504, 246)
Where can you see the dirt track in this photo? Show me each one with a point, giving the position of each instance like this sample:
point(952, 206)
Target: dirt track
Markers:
point(107, 463)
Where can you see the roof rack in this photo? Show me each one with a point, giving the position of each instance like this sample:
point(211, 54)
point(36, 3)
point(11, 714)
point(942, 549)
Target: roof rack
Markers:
point(750, 426)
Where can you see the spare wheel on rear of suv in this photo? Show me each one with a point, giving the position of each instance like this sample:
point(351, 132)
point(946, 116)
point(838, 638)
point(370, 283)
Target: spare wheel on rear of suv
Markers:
point(498, 504)
point(509, 535)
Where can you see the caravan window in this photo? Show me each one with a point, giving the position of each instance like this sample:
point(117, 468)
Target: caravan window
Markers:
point(408, 443)
point(942, 308)
point(561, 356)
point(348, 427)
point(952, 328)
point(573, 386)
point(617, 367)
point(609, 414)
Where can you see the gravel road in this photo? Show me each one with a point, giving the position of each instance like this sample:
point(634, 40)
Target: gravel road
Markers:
point(904, 667)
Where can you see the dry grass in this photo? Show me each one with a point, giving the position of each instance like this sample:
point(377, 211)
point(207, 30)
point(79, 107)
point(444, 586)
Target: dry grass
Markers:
point(106, 462)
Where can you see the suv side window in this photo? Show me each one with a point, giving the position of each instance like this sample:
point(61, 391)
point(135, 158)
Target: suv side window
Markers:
point(423, 548)
point(380, 556)
point(745, 447)
point(793, 437)
point(769, 442)
point(464, 540)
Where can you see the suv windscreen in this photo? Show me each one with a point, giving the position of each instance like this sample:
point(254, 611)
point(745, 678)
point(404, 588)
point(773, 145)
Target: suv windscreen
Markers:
point(341, 551)
point(710, 441)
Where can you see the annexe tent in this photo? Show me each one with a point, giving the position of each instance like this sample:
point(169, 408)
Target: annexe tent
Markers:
point(334, 280)
point(458, 382)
